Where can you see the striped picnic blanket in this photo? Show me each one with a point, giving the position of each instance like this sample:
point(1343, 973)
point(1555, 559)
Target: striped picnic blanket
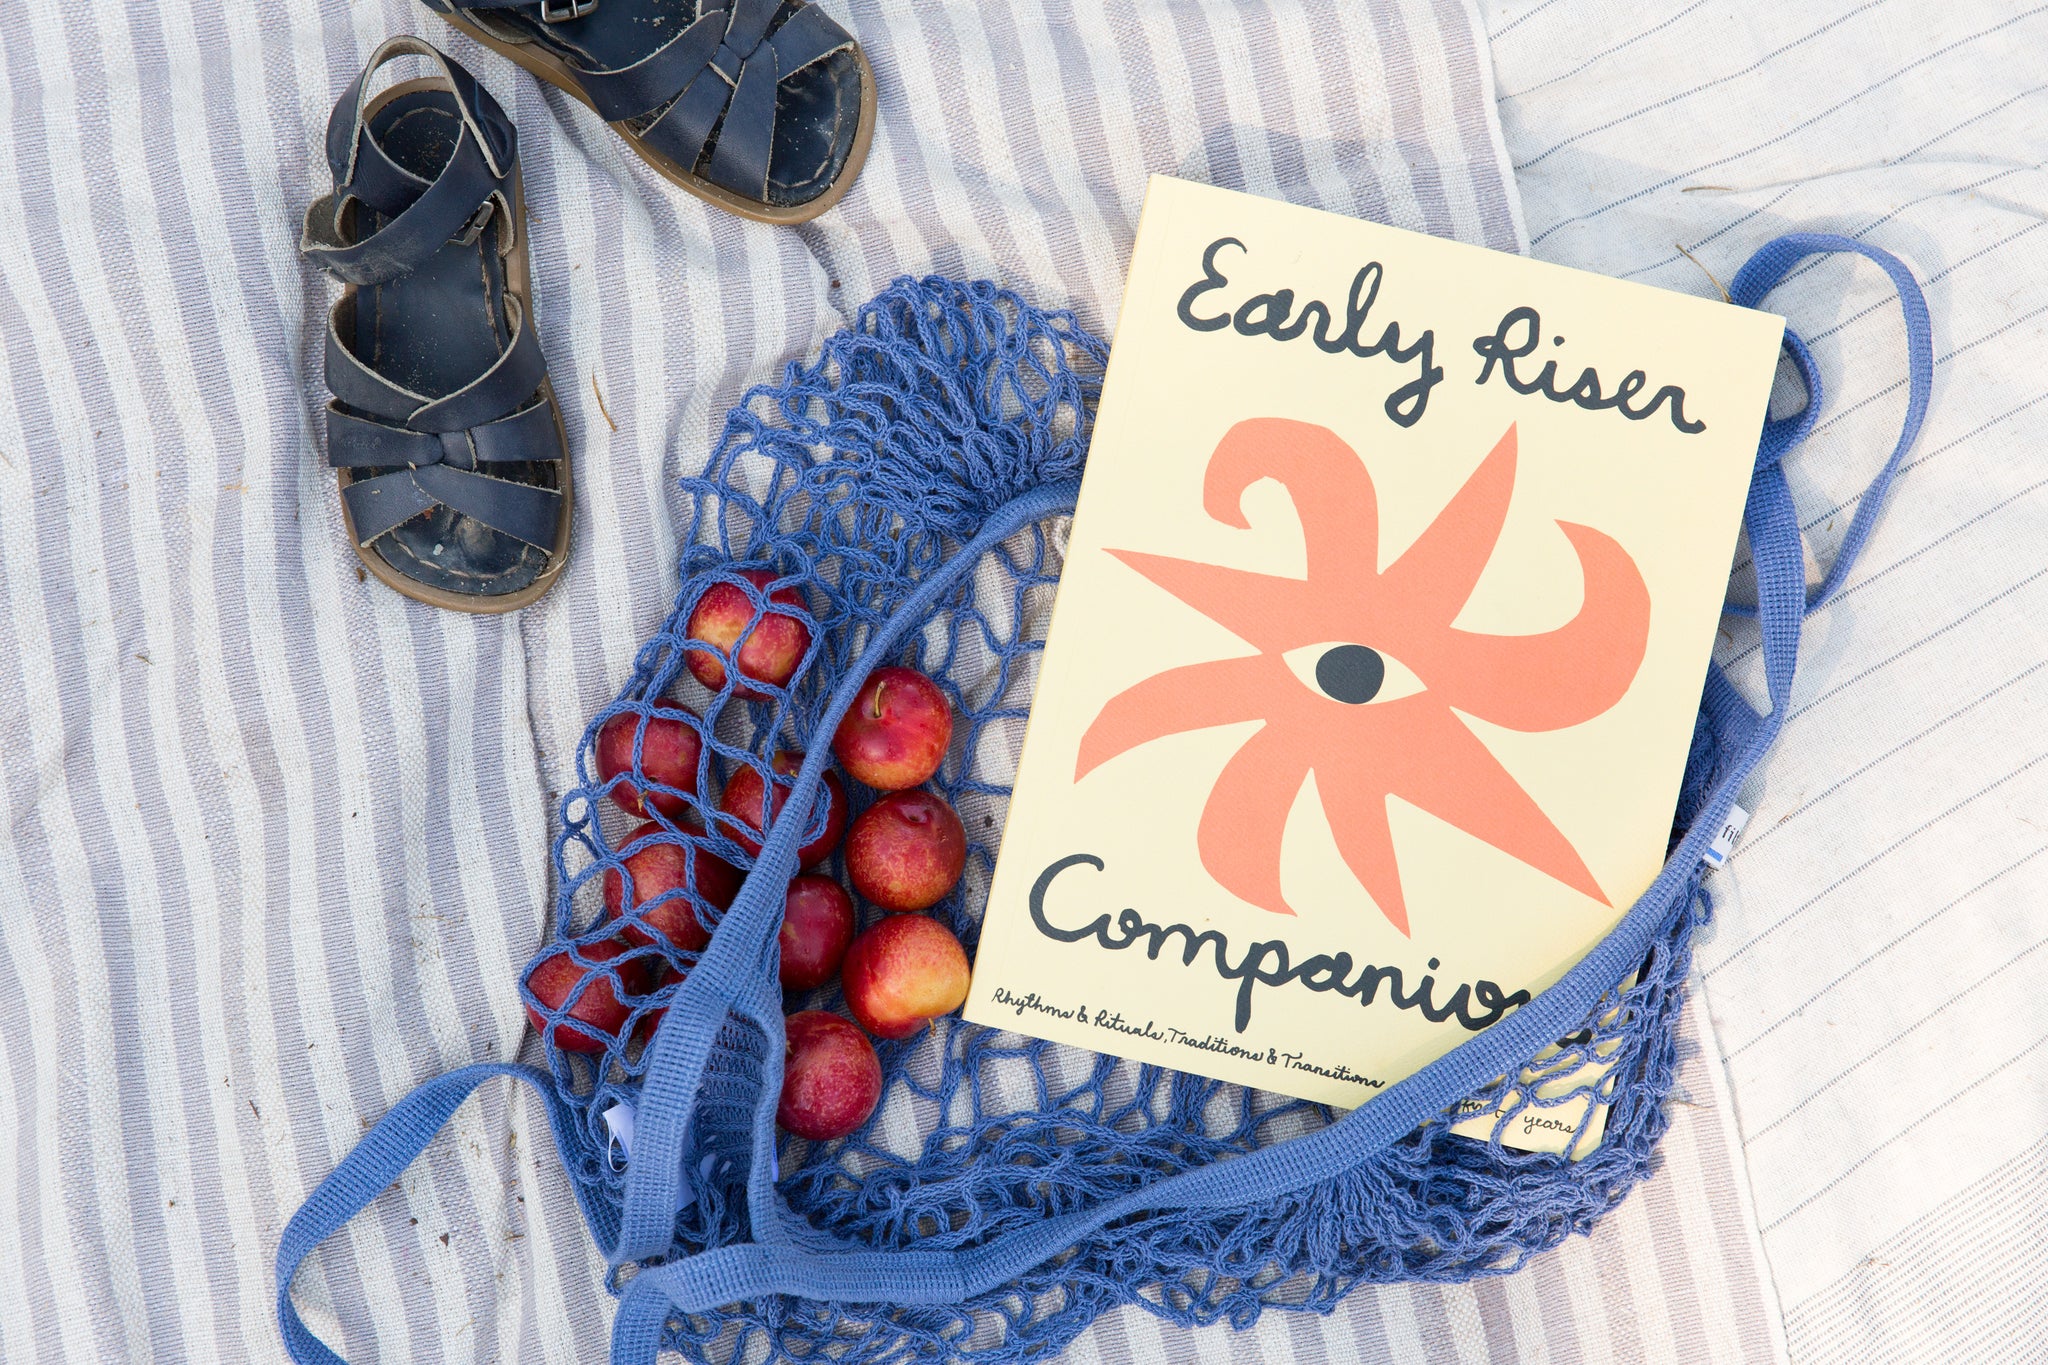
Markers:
point(276, 838)
point(1874, 978)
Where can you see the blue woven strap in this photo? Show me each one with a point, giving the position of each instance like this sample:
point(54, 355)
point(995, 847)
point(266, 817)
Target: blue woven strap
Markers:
point(1765, 271)
point(382, 1156)
point(790, 1257)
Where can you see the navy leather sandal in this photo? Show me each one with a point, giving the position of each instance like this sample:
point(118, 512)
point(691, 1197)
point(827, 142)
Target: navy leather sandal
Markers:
point(762, 107)
point(449, 448)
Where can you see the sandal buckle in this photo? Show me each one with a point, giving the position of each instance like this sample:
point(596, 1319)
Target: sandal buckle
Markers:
point(474, 227)
point(560, 11)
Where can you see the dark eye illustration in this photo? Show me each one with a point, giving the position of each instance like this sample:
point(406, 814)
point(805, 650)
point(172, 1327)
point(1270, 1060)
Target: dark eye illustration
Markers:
point(1351, 674)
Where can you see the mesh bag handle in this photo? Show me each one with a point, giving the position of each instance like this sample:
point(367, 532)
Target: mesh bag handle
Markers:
point(787, 1256)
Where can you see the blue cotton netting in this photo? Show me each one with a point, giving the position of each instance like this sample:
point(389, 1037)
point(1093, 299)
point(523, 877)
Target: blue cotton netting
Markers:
point(852, 481)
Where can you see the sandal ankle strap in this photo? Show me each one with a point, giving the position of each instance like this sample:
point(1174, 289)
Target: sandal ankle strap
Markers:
point(421, 214)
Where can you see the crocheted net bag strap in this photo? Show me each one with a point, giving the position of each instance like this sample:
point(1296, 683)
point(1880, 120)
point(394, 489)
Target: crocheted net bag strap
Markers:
point(907, 488)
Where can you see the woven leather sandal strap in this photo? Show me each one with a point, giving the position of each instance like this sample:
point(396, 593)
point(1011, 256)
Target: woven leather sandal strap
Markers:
point(382, 1156)
point(498, 417)
point(717, 78)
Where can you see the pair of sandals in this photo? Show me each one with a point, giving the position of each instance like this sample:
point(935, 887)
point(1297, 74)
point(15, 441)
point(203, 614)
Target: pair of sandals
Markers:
point(450, 451)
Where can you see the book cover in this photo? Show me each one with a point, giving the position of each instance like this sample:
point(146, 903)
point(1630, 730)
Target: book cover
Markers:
point(1376, 654)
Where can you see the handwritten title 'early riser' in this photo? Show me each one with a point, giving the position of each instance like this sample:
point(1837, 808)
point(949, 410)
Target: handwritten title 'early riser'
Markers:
point(1517, 337)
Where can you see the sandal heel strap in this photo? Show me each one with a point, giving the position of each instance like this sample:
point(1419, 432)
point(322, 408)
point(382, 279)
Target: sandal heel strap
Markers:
point(422, 214)
point(483, 117)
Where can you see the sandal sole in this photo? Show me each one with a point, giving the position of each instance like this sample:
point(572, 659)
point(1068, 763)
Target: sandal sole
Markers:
point(519, 281)
point(556, 72)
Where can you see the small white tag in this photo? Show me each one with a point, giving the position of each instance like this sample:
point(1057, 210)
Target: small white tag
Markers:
point(1724, 842)
point(619, 1118)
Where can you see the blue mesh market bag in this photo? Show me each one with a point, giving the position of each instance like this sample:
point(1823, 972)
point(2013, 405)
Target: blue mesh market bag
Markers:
point(903, 497)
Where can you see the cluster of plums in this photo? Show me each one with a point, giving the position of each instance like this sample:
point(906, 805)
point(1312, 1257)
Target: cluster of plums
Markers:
point(903, 855)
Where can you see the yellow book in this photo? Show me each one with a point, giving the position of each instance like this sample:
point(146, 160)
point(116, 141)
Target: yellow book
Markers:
point(1377, 650)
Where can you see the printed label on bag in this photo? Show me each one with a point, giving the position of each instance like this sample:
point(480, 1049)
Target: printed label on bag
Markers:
point(1724, 842)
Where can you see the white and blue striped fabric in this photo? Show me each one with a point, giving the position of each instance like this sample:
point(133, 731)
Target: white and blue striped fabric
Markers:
point(1876, 976)
point(275, 838)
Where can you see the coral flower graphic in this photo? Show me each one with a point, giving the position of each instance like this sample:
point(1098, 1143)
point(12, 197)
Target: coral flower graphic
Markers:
point(1364, 742)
